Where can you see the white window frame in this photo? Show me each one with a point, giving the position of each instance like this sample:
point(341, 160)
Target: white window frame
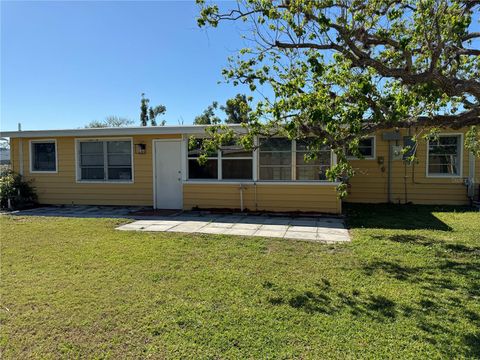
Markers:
point(293, 147)
point(219, 159)
point(374, 150)
point(255, 170)
point(106, 181)
point(220, 164)
point(43, 141)
point(460, 160)
point(293, 164)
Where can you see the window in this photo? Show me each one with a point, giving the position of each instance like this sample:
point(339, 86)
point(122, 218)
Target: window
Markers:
point(366, 147)
point(444, 156)
point(275, 162)
point(314, 169)
point(109, 160)
point(237, 163)
point(43, 156)
point(209, 170)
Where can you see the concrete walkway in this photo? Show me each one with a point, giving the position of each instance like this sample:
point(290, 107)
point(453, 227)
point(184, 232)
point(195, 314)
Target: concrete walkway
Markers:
point(322, 229)
point(329, 230)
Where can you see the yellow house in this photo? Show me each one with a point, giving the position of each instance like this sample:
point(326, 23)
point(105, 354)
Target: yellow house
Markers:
point(153, 166)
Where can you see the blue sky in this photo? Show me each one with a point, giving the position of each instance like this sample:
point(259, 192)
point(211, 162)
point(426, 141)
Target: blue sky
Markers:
point(65, 64)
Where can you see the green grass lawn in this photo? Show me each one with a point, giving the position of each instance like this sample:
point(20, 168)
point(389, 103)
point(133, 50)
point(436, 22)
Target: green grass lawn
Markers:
point(408, 286)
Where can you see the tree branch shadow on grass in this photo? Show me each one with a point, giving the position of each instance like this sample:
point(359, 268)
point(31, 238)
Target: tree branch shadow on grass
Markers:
point(401, 217)
point(457, 269)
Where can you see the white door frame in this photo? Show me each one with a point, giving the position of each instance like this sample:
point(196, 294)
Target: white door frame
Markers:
point(154, 166)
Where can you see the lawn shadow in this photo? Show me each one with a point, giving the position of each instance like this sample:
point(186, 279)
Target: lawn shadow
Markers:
point(322, 298)
point(400, 217)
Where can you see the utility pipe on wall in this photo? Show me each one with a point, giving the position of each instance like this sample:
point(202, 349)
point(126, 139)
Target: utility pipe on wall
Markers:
point(241, 197)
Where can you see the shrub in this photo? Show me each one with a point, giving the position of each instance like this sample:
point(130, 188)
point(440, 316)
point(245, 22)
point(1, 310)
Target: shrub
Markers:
point(15, 188)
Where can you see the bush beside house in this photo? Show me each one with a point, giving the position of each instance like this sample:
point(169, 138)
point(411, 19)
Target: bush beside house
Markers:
point(15, 192)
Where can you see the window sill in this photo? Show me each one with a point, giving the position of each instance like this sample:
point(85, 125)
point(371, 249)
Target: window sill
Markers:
point(43, 172)
point(104, 182)
point(263, 182)
point(365, 158)
point(440, 176)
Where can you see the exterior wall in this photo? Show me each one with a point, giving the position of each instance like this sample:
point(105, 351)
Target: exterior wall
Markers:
point(267, 197)
point(409, 182)
point(62, 187)
point(369, 185)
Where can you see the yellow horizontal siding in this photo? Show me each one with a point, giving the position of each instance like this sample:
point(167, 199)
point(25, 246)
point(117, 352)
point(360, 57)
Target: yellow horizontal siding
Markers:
point(409, 182)
point(368, 185)
point(62, 188)
point(290, 197)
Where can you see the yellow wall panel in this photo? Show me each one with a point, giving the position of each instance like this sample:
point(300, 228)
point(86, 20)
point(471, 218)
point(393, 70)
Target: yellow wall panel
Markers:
point(62, 187)
point(263, 197)
point(409, 181)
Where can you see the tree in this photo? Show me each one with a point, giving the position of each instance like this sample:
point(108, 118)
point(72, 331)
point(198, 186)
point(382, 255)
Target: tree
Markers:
point(237, 109)
point(110, 121)
point(342, 69)
point(149, 114)
point(208, 116)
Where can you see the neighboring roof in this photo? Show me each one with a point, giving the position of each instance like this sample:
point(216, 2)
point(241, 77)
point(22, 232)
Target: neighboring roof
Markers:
point(122, 131)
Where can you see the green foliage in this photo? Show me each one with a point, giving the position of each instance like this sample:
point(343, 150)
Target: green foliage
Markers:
point(110, 121)
point(340, 70)
point(406, 287)
point(20, 192)
point(150, 114)
point(208, 117)
point(237, 109)
point(472, 140)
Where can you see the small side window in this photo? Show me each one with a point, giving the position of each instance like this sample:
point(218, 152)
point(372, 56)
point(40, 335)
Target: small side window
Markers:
point(43, 156)
point(366, 147)
point(444, 156)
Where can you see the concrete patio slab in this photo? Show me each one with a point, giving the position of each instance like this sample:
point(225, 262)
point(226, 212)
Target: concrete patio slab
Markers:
point(325, 230)
point(311, 228)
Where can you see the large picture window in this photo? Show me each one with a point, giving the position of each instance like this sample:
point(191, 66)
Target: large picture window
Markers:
point(232, 162)
point(313, 169)
point(275, 160)
point(43, 156)
point(444, 156)
point(105, 160)
point(237, 163)
point(208, 170)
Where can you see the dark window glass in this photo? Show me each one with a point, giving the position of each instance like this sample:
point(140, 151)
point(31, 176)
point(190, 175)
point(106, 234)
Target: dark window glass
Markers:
point(43, 157)
point(118, 173)
point(209, 170)
point(275, 144)
point(275, 173)
point(444, 156)
point(237, 169)
point(118, 164)
point(365, 148)
point(92, 173)
point(196, 151)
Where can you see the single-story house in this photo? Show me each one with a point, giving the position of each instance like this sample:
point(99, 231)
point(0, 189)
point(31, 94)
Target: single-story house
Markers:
point(153, 166)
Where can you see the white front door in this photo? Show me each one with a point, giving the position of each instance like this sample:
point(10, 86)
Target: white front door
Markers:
point(168, 174)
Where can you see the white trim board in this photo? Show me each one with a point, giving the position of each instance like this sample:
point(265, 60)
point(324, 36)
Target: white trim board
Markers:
point(445, 176)
point(77, 141)
point(30, 158)
point(124, 131)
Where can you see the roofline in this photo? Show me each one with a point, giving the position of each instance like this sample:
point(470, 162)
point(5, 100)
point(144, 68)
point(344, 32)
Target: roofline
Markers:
point(120, 131)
